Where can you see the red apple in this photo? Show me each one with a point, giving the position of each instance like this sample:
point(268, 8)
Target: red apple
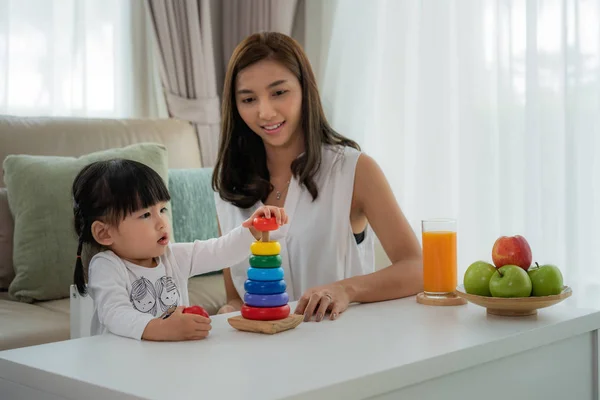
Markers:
point(196, 310)
point(512, 250)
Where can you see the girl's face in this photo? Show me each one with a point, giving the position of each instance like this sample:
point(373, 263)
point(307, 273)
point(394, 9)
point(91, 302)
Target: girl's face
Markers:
point(142, 235)
point(269, 99)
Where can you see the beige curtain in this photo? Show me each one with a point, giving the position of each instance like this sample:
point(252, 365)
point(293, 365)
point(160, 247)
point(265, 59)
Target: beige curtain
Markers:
point(195, 39)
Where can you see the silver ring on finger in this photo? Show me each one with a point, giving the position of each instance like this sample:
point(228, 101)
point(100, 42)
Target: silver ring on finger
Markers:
point(328, 296)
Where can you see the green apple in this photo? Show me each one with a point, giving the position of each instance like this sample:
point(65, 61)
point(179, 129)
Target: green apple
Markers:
point(510, 281)
point(546, 280)
point(477, 278)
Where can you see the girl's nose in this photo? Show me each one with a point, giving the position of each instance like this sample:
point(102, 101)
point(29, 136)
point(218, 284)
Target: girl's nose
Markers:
point(161, 223)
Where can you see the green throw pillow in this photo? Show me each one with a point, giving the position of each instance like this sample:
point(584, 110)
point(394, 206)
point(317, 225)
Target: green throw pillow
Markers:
point(193, 204)
point(39, 196)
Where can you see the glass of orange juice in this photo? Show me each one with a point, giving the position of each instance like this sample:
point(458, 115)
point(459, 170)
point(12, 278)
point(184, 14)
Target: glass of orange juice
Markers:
point(439, 257)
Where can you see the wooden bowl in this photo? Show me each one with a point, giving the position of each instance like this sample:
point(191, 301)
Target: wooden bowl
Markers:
point(514, 306)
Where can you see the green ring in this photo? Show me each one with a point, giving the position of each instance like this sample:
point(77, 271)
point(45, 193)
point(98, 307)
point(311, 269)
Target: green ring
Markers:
point(265, 261)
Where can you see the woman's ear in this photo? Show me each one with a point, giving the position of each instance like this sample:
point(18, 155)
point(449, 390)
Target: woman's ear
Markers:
point(101, 233)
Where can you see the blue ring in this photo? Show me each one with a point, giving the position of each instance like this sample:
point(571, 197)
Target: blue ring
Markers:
point(265, 274)
point(258, 287)
point(266, 300)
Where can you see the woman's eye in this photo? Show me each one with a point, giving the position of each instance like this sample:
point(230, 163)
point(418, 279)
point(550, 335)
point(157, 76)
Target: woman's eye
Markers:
point(248, 100)
point(280, 92)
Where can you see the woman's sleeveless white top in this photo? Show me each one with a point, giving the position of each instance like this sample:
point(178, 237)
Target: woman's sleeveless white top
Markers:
point(317, 245)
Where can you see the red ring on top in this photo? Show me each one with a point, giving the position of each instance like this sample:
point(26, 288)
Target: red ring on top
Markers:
point(265, 224)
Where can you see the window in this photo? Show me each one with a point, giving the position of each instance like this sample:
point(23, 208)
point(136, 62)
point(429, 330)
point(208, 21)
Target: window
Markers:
point(87, 58)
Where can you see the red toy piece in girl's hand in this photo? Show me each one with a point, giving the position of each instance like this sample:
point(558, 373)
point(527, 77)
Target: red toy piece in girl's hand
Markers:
point(196, 310)
point(263, 224)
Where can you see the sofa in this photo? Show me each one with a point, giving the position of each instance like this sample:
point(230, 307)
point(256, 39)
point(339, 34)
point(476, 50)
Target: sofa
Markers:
point(25, 322)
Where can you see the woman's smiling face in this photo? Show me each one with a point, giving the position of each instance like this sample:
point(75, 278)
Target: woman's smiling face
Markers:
point(268, 97)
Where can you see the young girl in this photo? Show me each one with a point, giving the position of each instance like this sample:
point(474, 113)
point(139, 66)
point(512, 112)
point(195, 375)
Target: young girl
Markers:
point(120, 206)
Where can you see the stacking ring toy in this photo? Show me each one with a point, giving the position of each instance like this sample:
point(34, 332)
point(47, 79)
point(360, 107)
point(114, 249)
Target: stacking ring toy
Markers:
point(265, 313)
point(268, 287)
point(265, 261)
point(266, 300)
point(265, 248)
point(265, 296)
point(265, 274)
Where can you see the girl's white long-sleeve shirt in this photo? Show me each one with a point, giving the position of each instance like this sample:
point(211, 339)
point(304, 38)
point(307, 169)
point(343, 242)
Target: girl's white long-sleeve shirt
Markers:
point(128, 296)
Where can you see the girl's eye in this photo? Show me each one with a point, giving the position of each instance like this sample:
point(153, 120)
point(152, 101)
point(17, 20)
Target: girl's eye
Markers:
point(163, 210)
point(145, 215)
point(248, 100)
point(280, 92)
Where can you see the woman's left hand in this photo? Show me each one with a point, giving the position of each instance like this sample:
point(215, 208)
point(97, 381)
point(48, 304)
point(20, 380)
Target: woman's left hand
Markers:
point(317, 301)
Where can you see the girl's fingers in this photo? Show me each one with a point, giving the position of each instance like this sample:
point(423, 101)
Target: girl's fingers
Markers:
point(277, 212)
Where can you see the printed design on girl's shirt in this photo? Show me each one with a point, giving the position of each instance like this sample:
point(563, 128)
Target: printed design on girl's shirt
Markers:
point(166, 293)
point(143, 296)
point(154, 298)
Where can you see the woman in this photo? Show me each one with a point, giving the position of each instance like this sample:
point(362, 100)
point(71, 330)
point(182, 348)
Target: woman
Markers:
point(277, 148)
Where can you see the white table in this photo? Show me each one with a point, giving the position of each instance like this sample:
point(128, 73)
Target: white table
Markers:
point(396, 349)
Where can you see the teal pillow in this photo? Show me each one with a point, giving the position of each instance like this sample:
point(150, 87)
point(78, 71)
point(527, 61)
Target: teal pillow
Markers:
point(193, 204)
point(39, 197)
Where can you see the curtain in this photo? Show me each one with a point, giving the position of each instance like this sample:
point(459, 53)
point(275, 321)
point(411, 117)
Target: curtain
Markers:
point(195, 40)
point(486, 111)
point(185, 40)
point(77, 58)
point(241, 18)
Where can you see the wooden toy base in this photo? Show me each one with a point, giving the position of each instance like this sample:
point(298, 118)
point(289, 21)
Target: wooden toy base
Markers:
point(450, 300)
point(268, 327)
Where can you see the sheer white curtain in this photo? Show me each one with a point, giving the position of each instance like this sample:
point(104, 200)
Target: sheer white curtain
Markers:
point(487, 111)
point(86, 58)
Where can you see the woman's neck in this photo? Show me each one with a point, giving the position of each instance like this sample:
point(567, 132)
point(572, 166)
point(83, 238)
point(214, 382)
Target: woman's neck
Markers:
point(279, 159)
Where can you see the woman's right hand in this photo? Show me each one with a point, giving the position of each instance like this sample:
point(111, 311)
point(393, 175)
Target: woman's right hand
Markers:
point(178, 327)
point(227, 308)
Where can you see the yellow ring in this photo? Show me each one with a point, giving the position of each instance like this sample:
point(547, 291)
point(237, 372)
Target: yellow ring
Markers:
point(265, 248)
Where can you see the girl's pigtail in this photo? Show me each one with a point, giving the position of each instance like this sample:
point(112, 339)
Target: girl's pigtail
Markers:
point(79, 275)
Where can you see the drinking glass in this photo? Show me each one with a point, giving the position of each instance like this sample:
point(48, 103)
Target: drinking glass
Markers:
point(439, 257)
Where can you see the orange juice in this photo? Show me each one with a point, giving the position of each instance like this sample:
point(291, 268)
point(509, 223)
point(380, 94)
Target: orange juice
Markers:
point(439, 261)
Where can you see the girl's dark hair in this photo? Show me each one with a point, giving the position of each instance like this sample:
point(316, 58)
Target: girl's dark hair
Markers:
point(241, 175)
point(109, 191)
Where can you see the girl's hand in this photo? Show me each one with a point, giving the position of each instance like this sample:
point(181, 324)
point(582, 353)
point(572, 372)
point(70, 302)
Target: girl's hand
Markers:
point(267, 212)
point(319, 300)
point(177, 327)
point(188, 326)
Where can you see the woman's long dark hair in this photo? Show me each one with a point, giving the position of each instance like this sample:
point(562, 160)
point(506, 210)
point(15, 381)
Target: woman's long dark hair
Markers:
point(108, 191)
point(240, 174)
